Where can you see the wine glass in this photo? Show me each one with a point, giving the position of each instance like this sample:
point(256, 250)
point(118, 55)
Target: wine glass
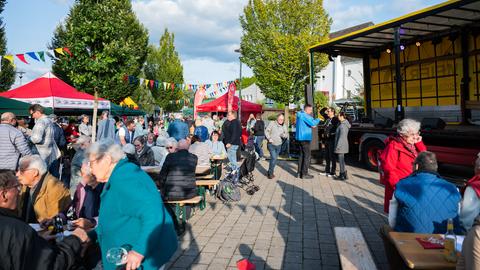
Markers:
point(117, 255)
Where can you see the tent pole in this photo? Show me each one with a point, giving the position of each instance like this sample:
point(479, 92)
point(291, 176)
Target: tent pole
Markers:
point(94, 117)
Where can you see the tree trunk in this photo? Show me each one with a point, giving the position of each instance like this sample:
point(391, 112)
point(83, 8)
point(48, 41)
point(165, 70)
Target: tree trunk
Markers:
point(94, 117)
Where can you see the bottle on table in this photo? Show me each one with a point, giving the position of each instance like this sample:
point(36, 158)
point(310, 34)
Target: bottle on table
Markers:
point(450, 252)
point(71, 216)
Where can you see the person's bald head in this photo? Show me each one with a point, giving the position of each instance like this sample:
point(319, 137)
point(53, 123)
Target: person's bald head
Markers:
point(8, 118)
point(183, 144)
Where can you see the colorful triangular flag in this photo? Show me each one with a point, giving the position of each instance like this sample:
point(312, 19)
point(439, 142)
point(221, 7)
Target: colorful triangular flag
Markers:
point(41, 55)
point(32, 55)
point(59, 51)
point(21, 56)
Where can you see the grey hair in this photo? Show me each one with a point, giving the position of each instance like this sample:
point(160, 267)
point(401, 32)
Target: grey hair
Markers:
point(426, 161)
point(161, 141)
point(33, 162)
point(7, 116)
point(183, 144)
point(106, 147)
point(105, 113)
point(408, 125)
point(171, 142)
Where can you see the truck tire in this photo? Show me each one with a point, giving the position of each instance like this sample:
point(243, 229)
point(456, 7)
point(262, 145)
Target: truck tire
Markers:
point(370, 153)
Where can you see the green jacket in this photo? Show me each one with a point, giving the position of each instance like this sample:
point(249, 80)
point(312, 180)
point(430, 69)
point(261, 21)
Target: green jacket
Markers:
point(132, 213)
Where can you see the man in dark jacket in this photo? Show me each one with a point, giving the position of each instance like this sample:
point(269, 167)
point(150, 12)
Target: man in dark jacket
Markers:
point(330, 127)
point(259, 133)
point(232, 131)
point(21, 247)
point(177, 179)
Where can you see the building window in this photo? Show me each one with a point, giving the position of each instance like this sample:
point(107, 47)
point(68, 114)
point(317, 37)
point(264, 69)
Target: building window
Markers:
point(349, 73)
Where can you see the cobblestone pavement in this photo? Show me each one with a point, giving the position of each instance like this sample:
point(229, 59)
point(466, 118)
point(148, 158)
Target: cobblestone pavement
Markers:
point(287, 224)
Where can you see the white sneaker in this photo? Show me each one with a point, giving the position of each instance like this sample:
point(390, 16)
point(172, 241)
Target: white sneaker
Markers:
point(262, 158)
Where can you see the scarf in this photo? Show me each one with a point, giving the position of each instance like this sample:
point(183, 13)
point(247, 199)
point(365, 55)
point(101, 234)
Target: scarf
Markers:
point(474, 183)
point(410, 147)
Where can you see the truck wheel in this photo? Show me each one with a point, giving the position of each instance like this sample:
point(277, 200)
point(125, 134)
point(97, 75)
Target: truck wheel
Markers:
point(370, 153)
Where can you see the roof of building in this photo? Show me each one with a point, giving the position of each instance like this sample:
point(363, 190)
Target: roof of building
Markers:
point(419, 25)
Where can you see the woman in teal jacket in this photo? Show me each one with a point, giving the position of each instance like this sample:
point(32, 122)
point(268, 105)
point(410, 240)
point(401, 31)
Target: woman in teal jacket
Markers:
point(132, 213)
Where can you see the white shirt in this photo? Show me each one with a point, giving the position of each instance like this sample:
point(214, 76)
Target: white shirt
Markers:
point(469, 208)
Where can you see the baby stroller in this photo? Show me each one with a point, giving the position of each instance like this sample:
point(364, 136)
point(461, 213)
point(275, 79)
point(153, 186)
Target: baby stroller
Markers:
point(246, 170)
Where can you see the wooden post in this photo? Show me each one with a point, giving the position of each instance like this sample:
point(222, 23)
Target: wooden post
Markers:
point(94, 117)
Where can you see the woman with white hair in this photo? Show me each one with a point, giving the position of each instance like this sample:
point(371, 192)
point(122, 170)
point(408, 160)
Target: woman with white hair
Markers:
point(132, 214)
point(396, 160)
point(470, 206)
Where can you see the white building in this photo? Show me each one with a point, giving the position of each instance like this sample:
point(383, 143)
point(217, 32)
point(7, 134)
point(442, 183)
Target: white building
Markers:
point(342, 77)
point(252, 93)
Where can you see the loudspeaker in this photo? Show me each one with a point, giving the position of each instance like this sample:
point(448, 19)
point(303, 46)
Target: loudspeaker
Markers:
point(433, 123)
point(308, 94)
point(383, 122)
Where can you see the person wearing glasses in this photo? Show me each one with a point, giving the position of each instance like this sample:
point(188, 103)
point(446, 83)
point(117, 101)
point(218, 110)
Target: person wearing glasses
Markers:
point(42, 195)
point(396, 160)
point(131, 211)
point(14, 145)
point(144, 153)
point(22, 247)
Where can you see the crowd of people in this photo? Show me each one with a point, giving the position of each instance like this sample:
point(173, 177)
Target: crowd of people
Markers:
point(54, 172)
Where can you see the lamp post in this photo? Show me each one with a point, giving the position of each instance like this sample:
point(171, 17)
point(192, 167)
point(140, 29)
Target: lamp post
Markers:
point(240, 86)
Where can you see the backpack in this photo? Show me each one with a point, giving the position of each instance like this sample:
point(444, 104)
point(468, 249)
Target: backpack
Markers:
point(227, 188)
point(228, 192)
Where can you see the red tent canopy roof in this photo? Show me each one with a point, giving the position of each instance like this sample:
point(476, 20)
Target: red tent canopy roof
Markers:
point(220, 105)
point(50, 91)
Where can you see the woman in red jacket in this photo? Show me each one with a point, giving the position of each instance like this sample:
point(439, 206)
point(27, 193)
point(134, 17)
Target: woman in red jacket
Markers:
point(396, 160)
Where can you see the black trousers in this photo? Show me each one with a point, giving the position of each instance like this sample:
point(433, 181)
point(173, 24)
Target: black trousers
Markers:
point(304, 158)
point(330, 157)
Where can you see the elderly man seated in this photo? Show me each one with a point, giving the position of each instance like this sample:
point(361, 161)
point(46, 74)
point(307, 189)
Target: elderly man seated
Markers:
point(21, 246)
point(202, 150)
point(177, 178)
point(424, 200)
point(43, 195)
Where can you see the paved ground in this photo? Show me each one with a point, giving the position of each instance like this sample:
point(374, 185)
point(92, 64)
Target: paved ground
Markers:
point(288, 224)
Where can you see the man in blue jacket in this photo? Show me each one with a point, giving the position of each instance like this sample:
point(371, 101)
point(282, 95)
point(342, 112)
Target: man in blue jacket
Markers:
point(303, 135)
point(178, 129)
point(425, 200)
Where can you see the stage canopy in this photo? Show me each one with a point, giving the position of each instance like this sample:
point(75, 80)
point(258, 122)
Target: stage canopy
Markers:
point(220, 105)
point(17, 107)
point(51, 92)
point(128, 101)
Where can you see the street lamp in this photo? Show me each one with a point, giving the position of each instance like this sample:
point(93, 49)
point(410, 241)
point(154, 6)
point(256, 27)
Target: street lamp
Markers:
point(240, 85)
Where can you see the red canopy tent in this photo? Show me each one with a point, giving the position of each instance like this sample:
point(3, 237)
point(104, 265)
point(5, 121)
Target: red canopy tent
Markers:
point(50, 91)
point(220, 105)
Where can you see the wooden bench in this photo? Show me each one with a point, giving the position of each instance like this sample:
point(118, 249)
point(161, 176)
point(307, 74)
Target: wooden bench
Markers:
point(352, 249)
point(206, 184)
point(180, 209)
point(204, 177)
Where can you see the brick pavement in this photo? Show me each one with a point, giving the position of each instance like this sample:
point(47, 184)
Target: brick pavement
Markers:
point(288, 224)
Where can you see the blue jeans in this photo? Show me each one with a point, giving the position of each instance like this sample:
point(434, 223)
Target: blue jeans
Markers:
point(232, 156)
point(258, 145)
point(274, 152)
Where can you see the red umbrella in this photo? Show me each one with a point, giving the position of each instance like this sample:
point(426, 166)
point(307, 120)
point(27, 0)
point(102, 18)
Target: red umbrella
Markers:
point(50, 91)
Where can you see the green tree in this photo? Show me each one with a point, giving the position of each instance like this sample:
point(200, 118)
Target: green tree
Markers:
point(7, 74)
point(247, 81)
point(163, 64)
point(106, 41)
point(275, 42)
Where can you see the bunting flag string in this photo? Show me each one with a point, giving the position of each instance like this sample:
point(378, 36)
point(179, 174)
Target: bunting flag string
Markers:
point(212, 90)
point(37, 56)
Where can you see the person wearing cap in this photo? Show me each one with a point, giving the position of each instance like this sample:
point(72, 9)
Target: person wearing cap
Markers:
point(129, 150)
point(13, 144)
point(43, 136)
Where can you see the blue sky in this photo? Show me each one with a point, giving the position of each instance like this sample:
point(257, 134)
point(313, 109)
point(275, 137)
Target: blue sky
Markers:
point(206, 31)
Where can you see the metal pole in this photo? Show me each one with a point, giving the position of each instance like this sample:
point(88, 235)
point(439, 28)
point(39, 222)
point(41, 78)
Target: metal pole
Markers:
point(312, 82)
point(240, 93)
point(399, 112)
